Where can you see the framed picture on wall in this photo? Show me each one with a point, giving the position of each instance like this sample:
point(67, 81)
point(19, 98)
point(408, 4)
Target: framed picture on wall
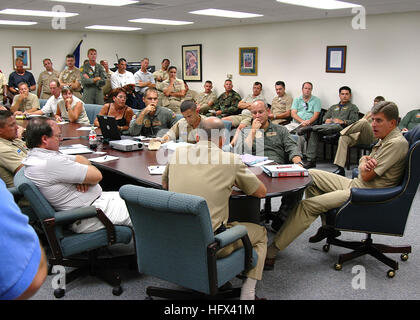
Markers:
point(248, 61)
point(191, 62)
point(336, 59)
point(25, 54)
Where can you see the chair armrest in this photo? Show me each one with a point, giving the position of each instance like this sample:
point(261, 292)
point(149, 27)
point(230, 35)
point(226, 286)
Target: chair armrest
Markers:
point(68, 216)
point(231, 235)
point(374, 195)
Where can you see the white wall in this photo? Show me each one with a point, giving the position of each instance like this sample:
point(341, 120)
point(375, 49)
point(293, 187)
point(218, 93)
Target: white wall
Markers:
point(381, 60)
point(57, 44)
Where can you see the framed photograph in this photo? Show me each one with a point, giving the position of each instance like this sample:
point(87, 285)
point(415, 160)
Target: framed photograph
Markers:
point(336, 59)
point(25, 54)
point(191, 62)
point(248, 61)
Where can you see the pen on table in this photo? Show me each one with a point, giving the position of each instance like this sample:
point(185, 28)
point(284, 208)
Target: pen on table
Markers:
point(105, 157)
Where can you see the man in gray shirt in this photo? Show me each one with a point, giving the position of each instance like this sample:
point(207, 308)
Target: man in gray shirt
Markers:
point(144, 80)
point(68, 181)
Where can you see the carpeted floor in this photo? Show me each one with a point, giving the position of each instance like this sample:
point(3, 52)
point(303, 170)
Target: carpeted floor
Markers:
point(303, 271)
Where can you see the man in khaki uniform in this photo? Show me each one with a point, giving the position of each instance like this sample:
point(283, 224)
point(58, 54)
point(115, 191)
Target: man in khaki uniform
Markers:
point(245, 105)
point(173, 90)
point(24, 102)
point(3, 88)
point(189, 94)
point(106, 89)
point(281, 105)
point(71, 77)
point(160, 76)
point(359, 132)
point(45, 78)
point(206, 99)
point(383, 168)
point(12, 149)
point(211, 174)
point(186, 129)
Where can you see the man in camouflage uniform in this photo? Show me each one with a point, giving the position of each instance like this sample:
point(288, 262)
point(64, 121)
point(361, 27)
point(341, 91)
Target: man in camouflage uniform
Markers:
point(227, 103)
point(93, 79)
point(245, 105)
point(45, 78)
point(70, 77)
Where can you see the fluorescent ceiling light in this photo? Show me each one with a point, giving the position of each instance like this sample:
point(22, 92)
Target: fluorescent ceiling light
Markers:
point(226, 13)
point(114, 3)
point(161, 21)
point(37, 13)
point(18, 23)
point(321, 4)
point(115, 28)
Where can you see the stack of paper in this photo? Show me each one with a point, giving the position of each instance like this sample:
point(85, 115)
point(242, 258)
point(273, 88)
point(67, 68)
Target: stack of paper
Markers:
point(74, 149)
point(285, 170)
point(172, 145)
point(251, 160)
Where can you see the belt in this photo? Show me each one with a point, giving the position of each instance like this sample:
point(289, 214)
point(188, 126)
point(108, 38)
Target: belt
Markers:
point(221, 229)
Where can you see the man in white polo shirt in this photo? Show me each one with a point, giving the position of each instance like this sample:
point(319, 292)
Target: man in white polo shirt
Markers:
point(50, 107)
point(125, 79)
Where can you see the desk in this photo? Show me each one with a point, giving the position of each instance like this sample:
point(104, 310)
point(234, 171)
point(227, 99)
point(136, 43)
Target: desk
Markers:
point(132, 167)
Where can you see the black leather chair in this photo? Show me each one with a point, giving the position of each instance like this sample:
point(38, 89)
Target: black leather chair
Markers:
point(378, 211)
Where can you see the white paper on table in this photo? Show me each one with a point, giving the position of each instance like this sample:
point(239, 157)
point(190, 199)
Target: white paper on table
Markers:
point(103, 159)
point(75, 150)
point(62, 122)
point(156, 169)
point(262, 163)
point(86, 128)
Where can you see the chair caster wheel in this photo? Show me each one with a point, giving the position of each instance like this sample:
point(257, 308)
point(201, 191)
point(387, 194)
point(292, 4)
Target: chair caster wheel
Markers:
point(59, 293)
point(391, 273)
point(338, 266)
point(326, 247)
point(404, 257)
point(117, 291)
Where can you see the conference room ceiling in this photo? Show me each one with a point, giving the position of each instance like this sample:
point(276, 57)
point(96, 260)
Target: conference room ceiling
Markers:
point(271, 10)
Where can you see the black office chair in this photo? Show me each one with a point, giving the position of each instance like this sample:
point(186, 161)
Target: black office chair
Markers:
point(378, 211)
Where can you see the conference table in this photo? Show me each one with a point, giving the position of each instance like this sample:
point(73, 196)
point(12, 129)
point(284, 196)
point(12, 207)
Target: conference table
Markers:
point(132, 168)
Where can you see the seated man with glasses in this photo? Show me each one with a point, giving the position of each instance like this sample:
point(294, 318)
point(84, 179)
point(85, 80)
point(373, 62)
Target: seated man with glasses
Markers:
point(305, 111)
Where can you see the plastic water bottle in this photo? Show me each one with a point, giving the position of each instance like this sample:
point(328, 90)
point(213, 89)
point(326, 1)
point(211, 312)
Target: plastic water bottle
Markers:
point(93, 141)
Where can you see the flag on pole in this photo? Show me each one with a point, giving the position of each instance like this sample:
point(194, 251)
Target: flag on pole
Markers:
point(76, 54)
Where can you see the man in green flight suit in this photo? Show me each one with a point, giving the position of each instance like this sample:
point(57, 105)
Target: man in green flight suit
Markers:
point(93, 79)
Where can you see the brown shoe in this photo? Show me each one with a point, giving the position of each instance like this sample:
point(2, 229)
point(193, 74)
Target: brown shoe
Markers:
point(269, 264)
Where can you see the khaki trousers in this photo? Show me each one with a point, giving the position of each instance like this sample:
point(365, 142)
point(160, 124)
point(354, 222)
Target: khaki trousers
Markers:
point(359, 132)
point(258, 236)
point(328, 191)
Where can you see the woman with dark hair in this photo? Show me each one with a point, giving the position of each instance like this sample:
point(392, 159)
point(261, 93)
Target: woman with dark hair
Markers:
point(117, 109)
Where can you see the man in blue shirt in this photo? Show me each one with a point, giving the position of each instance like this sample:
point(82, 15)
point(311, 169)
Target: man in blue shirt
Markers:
point(18, 76)
point(305, 111)
point(23, 267)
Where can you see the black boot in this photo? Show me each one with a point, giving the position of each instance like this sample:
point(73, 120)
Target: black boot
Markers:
point(340, 171)
point(323, 233)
